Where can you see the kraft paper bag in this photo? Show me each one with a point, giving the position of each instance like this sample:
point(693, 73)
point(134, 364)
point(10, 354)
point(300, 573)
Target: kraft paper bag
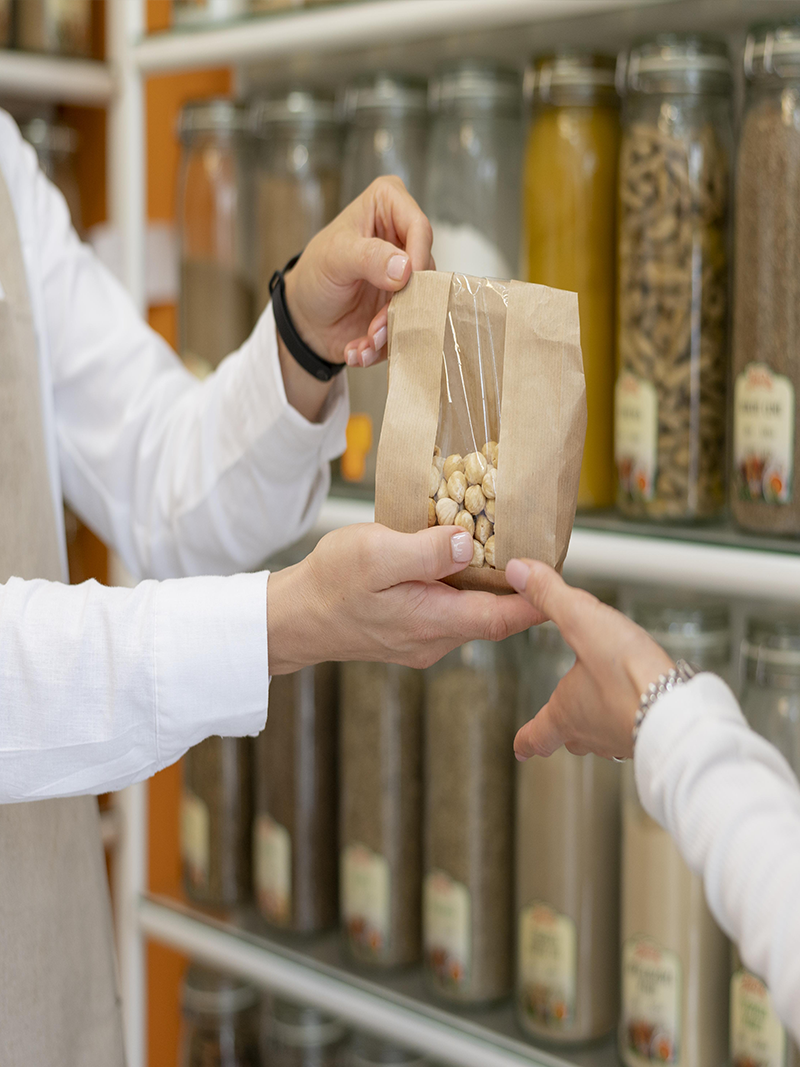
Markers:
point(478, 366)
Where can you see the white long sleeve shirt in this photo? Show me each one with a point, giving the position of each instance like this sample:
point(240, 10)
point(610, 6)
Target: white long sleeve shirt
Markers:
point(102, 687)
point(732, 804)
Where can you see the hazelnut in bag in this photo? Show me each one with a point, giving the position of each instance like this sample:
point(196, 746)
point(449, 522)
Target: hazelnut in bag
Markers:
point(485, 418)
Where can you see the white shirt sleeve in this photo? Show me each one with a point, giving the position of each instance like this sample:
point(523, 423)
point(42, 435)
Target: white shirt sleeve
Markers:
point(732, 804)
point(102, 687)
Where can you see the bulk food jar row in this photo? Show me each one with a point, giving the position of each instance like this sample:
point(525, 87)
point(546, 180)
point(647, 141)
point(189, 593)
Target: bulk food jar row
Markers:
point(227, 1023)
point(630, 202)
point(57, 27)
point(387, 801)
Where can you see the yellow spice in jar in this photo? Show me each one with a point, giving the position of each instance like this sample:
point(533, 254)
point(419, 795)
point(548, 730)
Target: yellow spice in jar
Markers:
point(570, 236)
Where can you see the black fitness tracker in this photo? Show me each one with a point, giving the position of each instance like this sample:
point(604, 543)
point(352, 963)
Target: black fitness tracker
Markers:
point(320, 368)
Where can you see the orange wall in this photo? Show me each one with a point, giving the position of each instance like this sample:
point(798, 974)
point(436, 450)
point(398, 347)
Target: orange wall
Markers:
point(164, 99)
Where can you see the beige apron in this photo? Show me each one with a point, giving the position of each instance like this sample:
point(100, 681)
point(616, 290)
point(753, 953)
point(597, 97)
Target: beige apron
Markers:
point(59, 1005)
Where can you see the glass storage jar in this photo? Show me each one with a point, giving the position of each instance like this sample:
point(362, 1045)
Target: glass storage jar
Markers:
point(216, 301)
point(386, 133)
point(672, 281)
point(569, 207)
point(675, 959)
point(472, 189)
point(6, 24)
point(766, 322)
point(56, 147)
point(216, 821)
point(220, 1027)
point(298, 161)
point(757, 1036)
point(199, 12)
point(568, 868)
point(469, 818)
point(298, 1036)
point(368, 1051)
point(59, 27)
point(380, 804)
point(295, 847)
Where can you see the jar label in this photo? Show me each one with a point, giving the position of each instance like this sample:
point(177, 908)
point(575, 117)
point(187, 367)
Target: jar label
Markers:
point(272, 867)
point(547, 965)
point(763, 435)
point(651, 999)
point(365, 899)
point(195, 839)
point(757, 1034)
point(636, 436)
point(447, 924)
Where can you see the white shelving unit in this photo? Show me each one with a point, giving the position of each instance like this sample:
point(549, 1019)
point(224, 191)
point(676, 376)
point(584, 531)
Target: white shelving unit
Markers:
point(325, 45)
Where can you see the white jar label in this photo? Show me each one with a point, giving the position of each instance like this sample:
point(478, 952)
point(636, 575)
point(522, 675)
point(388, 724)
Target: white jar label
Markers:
point(272, 869)
point(636, 436)
point(447, 928)
point(365, 899)
point(651, 1002)
point(547, 965)
point(195, 839)
point(757, 1035)
point(763, 435)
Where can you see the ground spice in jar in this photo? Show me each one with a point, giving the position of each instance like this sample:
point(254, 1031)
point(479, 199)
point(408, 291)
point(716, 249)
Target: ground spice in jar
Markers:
point(469, 823)
point(766, 355)
point(295, 847)
point(216, 313)
point(216, 818)
point(381, 812)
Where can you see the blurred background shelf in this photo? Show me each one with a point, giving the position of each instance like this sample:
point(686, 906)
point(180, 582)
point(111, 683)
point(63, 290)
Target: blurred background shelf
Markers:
point(398, 1007)
point(53, 79)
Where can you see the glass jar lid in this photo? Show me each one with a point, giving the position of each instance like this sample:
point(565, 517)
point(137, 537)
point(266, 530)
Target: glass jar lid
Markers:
point(688, 631)
point(299, 1026)
point(569, 76)
point(474, 85)
point(299, 107)
point(209, 992)
point(772, 50)
point(209, 116)
point(773, 641)
point(50, 136)
point(368, 1051)
point(679, 63)
point(386, 92)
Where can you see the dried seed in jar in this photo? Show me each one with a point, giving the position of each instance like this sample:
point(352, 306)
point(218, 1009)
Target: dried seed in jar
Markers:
point(474, 500)
point(488, 551)
point(489, 509)
point(433, 481)
point(466, 520)
point(452, 464)
point(446, 511)
point(489, 483)
point(483, 529)
point(477, 554)
point(489, 450)
point(457, 486)
point(431, 511)
point(475, 466)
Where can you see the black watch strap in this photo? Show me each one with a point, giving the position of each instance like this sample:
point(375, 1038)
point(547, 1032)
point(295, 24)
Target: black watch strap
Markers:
point(320, 368)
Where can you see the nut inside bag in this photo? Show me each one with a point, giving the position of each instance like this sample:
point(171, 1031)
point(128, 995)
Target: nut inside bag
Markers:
point(485, 418)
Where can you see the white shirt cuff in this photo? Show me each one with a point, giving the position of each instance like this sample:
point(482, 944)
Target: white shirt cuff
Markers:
point(212, 673)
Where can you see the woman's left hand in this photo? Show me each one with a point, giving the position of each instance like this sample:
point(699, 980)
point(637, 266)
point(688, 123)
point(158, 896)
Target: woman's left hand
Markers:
point(338, 291)
point(594, 704)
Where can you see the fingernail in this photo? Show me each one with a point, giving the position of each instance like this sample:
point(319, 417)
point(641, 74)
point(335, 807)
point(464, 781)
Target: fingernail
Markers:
point(351, 357)
point(397, 267)
point(461, 547)
point(379, 340)
point(517, 574)
point(368, 357)
point(520, 758)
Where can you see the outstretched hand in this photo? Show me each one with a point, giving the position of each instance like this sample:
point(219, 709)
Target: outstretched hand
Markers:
point(594, 704)
point(369, 593)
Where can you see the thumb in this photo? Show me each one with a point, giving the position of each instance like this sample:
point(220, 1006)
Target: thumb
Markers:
point(378, 262)
point(426, 556)
point(538, 737)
